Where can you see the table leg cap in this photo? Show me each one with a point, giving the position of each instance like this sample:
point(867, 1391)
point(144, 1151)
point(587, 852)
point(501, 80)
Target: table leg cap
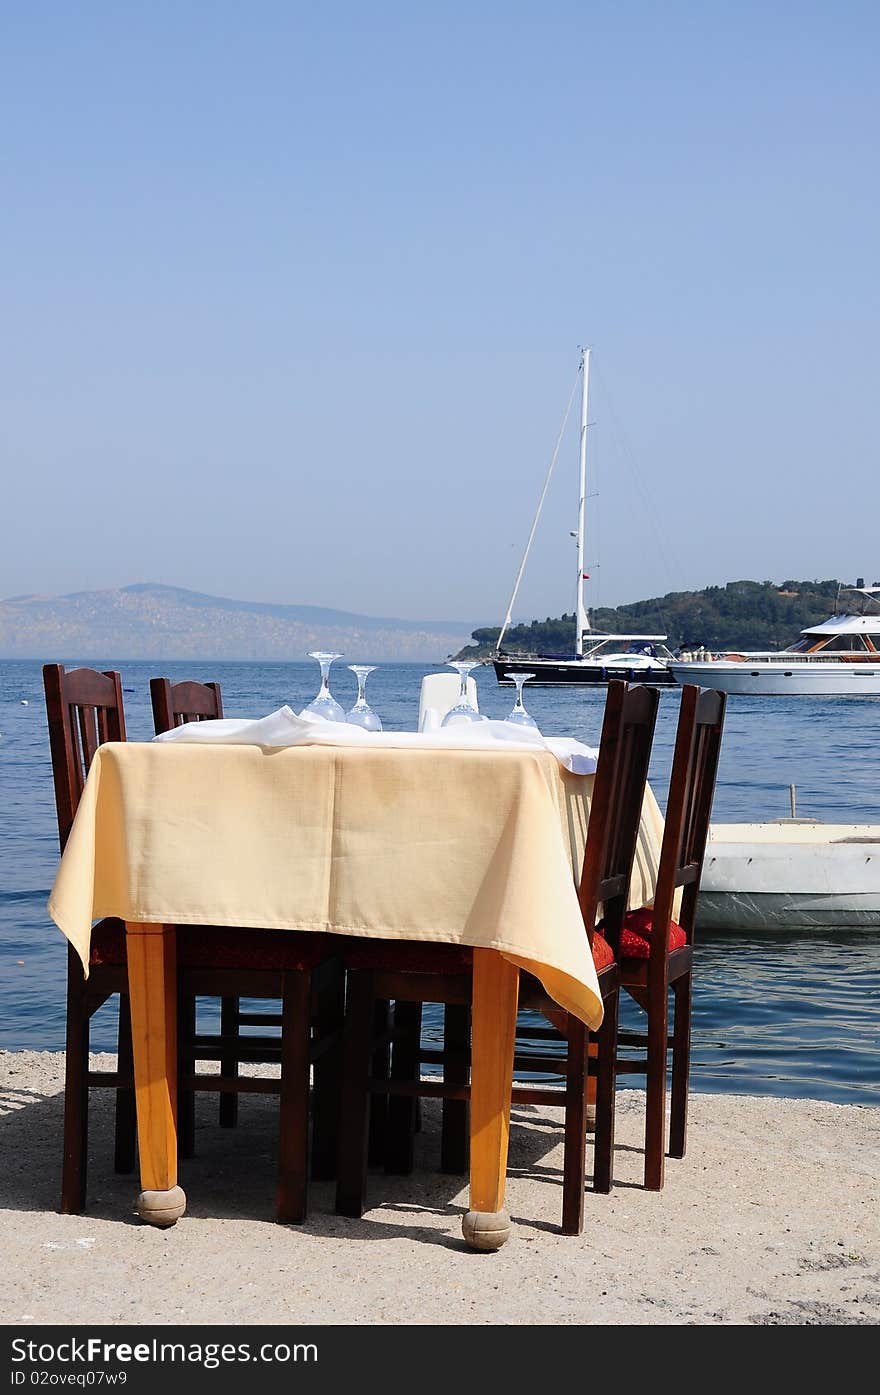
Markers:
point(486, 1230)
point(162, 1208)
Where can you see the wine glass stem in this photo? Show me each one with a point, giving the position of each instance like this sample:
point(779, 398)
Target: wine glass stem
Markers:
point(463, 692)
point(325, 679)
point(518, 680)
point(362, 687)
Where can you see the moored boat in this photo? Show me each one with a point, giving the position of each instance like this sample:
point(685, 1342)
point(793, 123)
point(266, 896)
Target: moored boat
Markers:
point(791, 874)
point(596, 658)
point(634, 658)
point(839, 657)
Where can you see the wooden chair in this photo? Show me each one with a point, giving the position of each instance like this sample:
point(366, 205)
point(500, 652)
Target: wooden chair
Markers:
point(177, 703)
point(411, 974)
point(84, 709)
point(279, 967)
point(173, 705)
point(655, 953)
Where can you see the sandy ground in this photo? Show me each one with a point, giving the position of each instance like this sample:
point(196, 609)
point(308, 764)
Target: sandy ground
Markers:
point(771, 1219)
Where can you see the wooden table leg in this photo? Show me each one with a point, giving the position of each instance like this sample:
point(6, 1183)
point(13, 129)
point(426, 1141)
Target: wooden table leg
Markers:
point(152, 987)
point(496, 983)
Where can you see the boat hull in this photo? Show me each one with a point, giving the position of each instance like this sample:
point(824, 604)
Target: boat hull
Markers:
point(555, 672)
point(781, 912)
point(780, 680)
point(790, 875)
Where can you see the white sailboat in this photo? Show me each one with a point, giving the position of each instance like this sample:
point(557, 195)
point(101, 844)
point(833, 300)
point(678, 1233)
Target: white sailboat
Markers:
point(597, 657)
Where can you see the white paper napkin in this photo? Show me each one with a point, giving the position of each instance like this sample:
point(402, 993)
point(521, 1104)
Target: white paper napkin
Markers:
point(285, 728)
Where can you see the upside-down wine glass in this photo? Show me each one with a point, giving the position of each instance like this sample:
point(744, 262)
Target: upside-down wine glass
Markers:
point(518, 715)
point(324, 704)
point(464, 710)
point(362, 714)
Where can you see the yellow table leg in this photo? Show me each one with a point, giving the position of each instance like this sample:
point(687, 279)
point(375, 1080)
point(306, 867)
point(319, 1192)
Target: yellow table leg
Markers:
point(495, 988)
point(152, 986)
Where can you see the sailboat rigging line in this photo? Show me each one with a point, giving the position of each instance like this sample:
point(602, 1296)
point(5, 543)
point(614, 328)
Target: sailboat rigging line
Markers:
point(522, 566)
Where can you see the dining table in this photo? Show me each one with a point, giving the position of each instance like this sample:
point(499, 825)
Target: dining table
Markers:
point(457, 845)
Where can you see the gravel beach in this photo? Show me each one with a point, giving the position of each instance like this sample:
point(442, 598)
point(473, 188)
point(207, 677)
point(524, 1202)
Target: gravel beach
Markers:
point(772, 1218)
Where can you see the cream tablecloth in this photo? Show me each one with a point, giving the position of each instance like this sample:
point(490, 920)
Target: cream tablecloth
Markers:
point(471, 847)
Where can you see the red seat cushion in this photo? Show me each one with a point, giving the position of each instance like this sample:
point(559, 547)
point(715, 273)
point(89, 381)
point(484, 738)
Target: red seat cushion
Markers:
point(406, 956)
point(220, 947)
point(603, 954)
point(635, 938)
point(224, 947)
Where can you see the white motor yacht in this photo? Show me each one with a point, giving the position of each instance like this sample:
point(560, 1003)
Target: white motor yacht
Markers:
point(839, 657)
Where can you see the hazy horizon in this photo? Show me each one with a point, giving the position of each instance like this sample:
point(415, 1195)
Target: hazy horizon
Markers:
point(328, 611)
point(147, 584)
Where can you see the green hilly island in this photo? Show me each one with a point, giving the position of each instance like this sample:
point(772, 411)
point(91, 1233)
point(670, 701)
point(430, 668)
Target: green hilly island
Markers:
point(739, 615)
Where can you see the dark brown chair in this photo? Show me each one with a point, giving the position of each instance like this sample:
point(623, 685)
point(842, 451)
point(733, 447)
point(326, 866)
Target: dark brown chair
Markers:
point(84, 709)
point(173, 705)
point(655, 952)
point(177, 703)
point(301, 970)
point(411, 974)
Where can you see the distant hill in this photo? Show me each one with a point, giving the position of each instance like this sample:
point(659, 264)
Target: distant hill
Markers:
point(740, 615)
point(151, 621)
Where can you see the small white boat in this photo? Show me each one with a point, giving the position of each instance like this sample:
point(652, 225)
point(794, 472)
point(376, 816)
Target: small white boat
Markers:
point(839, 658)
point(793, 874)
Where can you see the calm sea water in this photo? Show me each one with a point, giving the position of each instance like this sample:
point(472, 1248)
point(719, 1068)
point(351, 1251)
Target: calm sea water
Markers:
point(781, 1015)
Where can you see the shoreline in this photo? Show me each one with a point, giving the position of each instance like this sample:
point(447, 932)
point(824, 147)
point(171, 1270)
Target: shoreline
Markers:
point(770, 1219)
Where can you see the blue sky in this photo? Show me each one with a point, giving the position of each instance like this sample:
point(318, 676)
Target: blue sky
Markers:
point(292, 297)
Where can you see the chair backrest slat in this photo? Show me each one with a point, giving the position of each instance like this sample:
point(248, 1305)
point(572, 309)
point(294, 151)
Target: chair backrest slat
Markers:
point(177, 703)
point(83, 709)
point(616, 805)
point(688, 811)
point(88, 729)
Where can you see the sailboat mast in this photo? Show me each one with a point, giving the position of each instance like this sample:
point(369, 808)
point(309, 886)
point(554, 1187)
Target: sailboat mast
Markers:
point(582, 619)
